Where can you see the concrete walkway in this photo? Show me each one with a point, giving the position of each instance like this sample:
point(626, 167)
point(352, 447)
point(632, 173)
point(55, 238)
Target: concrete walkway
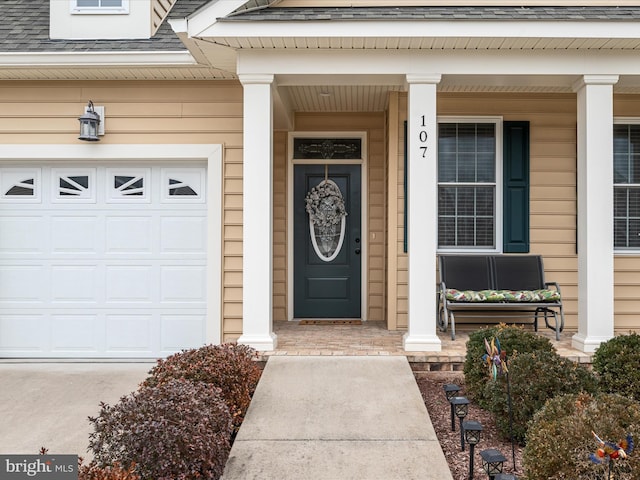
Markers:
point(337, 418)
point(47, 404)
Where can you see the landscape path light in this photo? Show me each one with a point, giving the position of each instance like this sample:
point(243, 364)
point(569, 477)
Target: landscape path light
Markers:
point(492, 462)
point(451, 390)
point(472, 431)
point(461, 409)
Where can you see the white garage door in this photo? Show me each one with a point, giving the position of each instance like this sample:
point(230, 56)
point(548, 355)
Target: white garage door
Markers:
point(102, 260)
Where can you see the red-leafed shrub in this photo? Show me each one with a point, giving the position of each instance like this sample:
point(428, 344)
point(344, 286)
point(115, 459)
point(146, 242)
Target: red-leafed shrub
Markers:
point(115, 472)
point(96, 472)
point(178, 430)
point(229, 367)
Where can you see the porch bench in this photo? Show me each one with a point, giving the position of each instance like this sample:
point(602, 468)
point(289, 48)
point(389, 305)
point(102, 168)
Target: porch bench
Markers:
point(472, 285)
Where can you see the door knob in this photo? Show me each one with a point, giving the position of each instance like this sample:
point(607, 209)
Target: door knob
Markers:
point(357, 251)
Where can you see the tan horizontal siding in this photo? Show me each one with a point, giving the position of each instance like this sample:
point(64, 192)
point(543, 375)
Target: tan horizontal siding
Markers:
point(627, 293)
point(402, 264)
point(280, 258)
point(146, 112)
point(232, 245)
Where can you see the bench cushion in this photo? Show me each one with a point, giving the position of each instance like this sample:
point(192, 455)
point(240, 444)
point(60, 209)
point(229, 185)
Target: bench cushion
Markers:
point(495, 296)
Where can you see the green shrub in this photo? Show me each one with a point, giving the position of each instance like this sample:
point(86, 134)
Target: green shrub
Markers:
point(616, 363)
point(559, 439)
point(513, 340)
point(229, 367)
point(179, 430)
point(535, 377)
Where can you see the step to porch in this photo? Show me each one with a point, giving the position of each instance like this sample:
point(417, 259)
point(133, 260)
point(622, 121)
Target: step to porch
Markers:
point(373, 339)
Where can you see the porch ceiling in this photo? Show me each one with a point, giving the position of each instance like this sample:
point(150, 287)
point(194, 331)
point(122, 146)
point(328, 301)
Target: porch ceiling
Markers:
point(337, 97)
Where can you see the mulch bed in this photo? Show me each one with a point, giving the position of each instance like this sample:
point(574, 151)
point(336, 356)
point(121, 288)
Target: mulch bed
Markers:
point(430, 385)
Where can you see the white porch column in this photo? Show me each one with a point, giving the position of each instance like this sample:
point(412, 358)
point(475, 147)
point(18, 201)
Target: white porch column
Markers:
point(422, 218)
point(257, 215)
point(595, 211)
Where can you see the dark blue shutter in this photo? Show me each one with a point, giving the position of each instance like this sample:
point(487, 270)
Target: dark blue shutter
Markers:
point(516, 187)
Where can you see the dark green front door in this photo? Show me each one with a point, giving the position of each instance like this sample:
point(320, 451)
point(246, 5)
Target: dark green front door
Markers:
point(327, 268)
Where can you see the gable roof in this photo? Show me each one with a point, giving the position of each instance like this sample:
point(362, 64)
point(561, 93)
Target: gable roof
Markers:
point(28, 53)
point(24, 27)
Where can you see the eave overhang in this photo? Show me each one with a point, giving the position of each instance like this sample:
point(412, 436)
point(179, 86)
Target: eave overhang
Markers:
point(423, 34)
point(120, 59)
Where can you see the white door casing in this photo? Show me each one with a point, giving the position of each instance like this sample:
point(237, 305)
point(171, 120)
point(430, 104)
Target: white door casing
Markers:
point(364, 226)
point(109, 250)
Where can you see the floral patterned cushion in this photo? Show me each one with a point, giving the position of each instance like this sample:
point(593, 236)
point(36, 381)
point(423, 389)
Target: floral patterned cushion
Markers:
point(542, 296)
point(474, 296)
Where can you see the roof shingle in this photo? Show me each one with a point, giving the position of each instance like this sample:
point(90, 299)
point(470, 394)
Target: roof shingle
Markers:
point(439, 13)
point(24, 27)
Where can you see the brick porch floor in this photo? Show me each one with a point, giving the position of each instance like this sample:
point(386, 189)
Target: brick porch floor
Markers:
point(373, 338)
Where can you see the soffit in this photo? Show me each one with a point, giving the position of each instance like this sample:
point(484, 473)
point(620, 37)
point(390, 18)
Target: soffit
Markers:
point(428, 43)
point(113, 73)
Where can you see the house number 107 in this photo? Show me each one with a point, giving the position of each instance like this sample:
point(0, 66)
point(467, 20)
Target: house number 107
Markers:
point(422, 137)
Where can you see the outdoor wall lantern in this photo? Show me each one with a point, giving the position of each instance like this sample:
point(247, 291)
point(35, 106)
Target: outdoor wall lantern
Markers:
point(472, 430)
point(461, 408)
point(90, 123)
point(451, 390)
point(492, 461)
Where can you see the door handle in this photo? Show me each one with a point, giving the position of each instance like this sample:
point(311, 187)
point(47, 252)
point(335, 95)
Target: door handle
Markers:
point(357, 251)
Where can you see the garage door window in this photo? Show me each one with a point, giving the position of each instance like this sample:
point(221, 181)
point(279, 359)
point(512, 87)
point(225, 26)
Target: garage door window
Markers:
point(178, 188)
point(24, 188)
point(129, 185)
point(20, 185)
point(183, 185)
point(73, 185)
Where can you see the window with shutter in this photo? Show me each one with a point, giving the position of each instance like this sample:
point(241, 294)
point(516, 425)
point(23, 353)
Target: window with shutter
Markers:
point(468, 187)
point(626, 186)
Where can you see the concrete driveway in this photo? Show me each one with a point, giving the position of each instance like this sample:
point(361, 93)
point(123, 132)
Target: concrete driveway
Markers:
point(47, 404)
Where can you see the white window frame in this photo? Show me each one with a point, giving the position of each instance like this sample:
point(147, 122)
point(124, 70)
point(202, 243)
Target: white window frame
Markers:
point(623, 250)
point(498, 240)
point(121, 10)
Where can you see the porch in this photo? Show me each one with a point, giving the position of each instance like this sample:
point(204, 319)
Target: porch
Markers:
point(373, 338)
